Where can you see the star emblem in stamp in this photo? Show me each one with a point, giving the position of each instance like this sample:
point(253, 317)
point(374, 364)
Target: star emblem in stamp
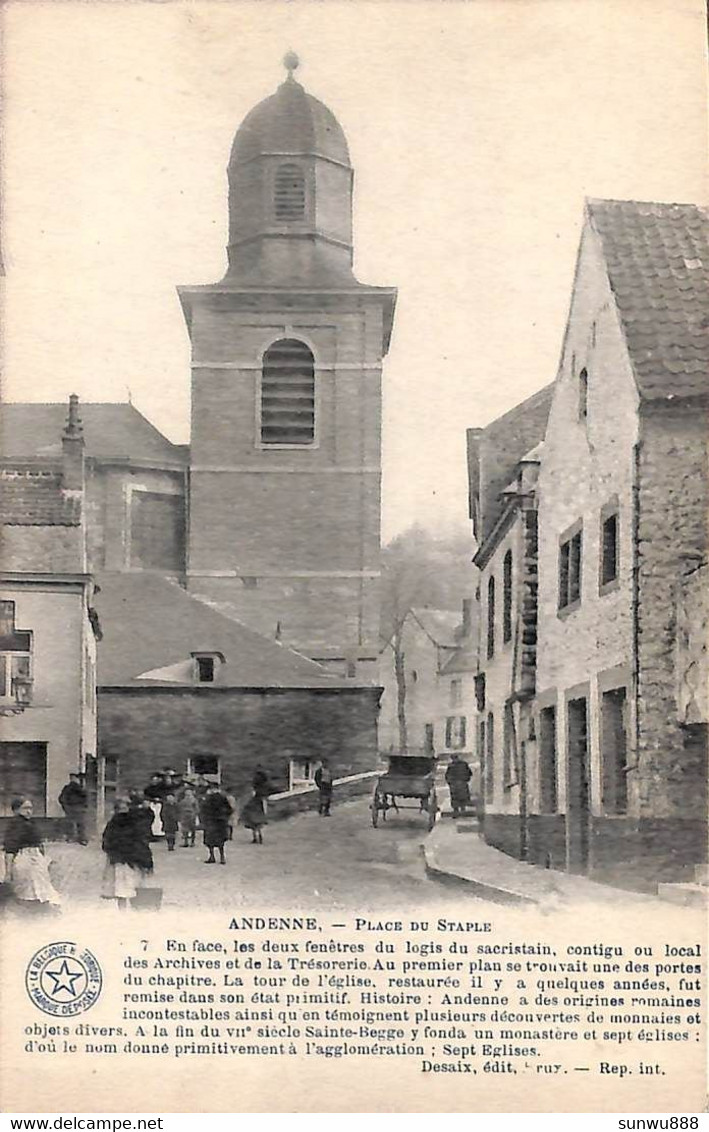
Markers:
point(63, 979)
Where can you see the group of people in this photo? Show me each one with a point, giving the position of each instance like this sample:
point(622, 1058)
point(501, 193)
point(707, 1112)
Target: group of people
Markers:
point(171, 805)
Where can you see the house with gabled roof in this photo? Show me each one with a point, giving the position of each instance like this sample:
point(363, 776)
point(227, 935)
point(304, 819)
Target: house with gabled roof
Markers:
point(181, 685)
point(417, 714)
point(135, 481)
point(613, 751)
point(48, 626)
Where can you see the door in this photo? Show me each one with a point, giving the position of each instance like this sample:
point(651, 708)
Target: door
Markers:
point(578, 807)
point(23, 774)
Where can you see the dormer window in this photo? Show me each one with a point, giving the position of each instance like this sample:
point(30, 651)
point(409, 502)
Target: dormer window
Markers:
point(206, 666)
point(289, 193)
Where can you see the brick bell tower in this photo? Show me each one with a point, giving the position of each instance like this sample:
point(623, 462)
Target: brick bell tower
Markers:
point(284, 509)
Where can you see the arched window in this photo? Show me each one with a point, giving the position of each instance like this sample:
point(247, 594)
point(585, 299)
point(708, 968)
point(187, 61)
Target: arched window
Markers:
point(288, 394)
point(289, 193)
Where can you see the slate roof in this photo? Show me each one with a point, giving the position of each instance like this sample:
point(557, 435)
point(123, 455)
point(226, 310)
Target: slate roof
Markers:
point(148, 622)
point(657, 257)
point(290, 121)
point(32, 498)
point(439, 625)
point(110, 431)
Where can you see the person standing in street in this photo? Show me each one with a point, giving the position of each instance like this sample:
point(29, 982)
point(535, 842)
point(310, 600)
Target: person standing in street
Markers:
point(170, 823)
point(323, 781)
point(74, 802)
point(128, 857)
point(187, 813)
point(458, 775)
point(215, 813)
point(26, 866)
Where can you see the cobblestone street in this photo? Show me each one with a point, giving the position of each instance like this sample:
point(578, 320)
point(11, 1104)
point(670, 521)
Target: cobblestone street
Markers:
point(305, 862)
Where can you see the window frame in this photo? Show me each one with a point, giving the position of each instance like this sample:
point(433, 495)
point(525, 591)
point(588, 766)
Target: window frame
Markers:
point(490, 617)
point(610, 511)
point(11, 657)
point(507, 588)
point(293, 334)
point(280, 169)
point(570, 569)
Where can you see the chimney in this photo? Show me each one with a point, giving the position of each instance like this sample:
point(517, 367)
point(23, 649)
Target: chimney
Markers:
point(467, 616)
point(73, 449)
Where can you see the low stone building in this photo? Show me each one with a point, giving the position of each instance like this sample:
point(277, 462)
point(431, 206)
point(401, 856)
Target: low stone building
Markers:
point(613, 748)
point(181, 685)
point(48, 627)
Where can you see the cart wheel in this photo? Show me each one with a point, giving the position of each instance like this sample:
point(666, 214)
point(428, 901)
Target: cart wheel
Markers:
point(432, 809)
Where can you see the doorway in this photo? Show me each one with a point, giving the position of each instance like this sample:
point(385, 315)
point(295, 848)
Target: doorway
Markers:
point(23, 774)
point(578, 808)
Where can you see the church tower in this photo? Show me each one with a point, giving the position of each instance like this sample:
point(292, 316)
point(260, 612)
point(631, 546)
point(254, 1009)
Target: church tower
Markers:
point(284, 513)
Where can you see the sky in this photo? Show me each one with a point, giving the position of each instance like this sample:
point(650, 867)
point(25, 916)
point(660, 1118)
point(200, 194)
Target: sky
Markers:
point(476, 129)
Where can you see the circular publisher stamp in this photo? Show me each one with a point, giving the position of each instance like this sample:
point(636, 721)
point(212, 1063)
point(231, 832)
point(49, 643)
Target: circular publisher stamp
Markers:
point(63, 979)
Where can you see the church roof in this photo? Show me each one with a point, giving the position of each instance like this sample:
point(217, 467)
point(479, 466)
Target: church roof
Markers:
point(151, 623)
point(657, 257)
point(290, 121)
point(111, 431)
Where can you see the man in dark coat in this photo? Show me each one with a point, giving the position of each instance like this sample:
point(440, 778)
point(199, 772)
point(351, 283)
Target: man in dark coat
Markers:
point(74, 802)
point(215, 814)
point(458, 776)
point(323, 781)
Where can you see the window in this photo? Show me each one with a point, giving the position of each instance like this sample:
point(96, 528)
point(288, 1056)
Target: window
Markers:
point(455, 732)
point(456, 693)
point(490, 758)
point(207, 765)
point(570, 570)
point(249, 583)
point(614, 751)
point(583, 394)
point(490, 618)
point(509, 749)
point(507, 597)
point(205, 669)
point(428, 738)
point(301, 772)
point(15, 657)
point(548, 796)
point(414, 676)
point(609, 548)
point(288, 394)
point(289, 193)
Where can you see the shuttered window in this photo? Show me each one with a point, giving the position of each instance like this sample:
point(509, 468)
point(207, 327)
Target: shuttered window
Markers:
point(289, 193)
point(288, 394)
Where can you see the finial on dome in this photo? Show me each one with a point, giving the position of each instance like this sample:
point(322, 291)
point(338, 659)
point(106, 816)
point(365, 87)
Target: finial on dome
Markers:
point(291, 62)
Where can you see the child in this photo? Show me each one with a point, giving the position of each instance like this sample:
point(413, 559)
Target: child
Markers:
point(170, 825)
point(187, 811)
point(253, 816)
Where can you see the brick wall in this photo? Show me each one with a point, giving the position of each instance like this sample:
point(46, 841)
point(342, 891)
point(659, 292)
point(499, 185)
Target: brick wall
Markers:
point(149, 729)
point(672, 539)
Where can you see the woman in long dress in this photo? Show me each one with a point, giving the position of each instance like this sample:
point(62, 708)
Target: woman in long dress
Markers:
point(27, 867)
point(128, 857)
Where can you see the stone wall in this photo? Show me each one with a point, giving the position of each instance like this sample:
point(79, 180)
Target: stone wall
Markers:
point(672, 540)
point(147, 729)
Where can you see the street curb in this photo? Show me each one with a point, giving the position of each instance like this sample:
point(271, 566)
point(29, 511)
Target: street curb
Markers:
point(493, 893)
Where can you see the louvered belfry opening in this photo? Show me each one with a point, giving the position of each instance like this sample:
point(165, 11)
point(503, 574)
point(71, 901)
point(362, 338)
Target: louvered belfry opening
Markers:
point(289, 193)
point(288, 394)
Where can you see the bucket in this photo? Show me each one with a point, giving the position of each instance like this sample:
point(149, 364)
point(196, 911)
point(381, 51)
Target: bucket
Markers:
point(147, 899)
